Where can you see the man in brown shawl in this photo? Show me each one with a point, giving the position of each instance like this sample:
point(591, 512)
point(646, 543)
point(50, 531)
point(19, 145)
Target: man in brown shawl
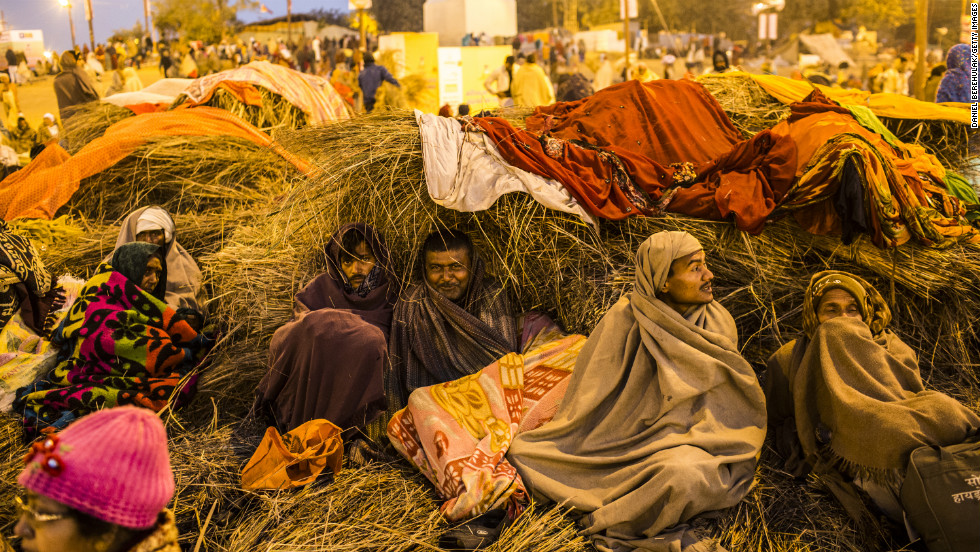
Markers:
point(452, 324)
point(846, 398)
point(72, 86)
point(329, 361)
point(663, 419)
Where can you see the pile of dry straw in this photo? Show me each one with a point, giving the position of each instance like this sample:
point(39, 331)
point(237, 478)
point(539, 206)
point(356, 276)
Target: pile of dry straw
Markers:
point(265, 242)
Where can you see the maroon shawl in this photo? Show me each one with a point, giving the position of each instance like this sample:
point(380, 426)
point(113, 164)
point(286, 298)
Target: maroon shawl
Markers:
point(329, 361)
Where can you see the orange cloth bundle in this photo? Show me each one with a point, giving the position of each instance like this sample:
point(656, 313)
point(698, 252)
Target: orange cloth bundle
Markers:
point(296, 458)
point(903, 186)
point(44, 186)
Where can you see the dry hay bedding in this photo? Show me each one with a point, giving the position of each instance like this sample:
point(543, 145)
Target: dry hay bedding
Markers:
point(76, 245)
point(372, 171)
point(551, 261)
point(90, 121)
point(185, 174)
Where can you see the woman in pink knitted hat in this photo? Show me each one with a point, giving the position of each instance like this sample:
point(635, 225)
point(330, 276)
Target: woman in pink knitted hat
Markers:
point(101, 485)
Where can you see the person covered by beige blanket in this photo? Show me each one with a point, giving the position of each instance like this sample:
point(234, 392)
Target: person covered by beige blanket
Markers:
point(846, 399)
point(663, 419)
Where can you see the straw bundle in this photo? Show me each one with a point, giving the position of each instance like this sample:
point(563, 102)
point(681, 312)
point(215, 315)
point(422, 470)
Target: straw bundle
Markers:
point(273, 115)
point(747, 104)
point(90, 121)
point(78, 245)
point(413, 91)
point(12, 453)
point(185, 174)
point(557, 263)
point(947, 140)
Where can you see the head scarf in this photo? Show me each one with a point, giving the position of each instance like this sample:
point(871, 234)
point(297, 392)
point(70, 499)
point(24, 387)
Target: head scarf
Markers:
point(653, 261)
point(575, 87)
point(376, 276)
point(331, 289)
point(955, 86)
point(183, 275)
point(156, 218)
point(656, 254)
point(721, 54)
point(68, 60)
point(874, 310)
point(130, 260)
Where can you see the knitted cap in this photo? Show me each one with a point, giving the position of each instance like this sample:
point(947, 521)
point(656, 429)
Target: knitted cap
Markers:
point(112, 464)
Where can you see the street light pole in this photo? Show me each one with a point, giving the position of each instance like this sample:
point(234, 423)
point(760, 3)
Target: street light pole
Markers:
point(626, 25)
point(71, 22)
point(289, 23)
point(146, 18)
point(88, 15)
point(921, 43)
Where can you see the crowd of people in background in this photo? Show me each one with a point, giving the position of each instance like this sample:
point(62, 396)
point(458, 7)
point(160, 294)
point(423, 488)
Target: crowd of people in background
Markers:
point(543, 68)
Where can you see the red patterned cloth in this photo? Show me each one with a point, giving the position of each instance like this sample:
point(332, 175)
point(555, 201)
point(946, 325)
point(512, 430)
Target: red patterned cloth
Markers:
point(645, 148)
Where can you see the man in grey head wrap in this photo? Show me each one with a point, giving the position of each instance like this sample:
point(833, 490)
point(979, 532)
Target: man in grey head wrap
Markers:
point(663, 419)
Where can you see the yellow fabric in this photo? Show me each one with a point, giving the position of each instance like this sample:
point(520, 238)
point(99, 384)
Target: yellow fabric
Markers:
point(532, 87)
point(296, 458)
point(895, 106)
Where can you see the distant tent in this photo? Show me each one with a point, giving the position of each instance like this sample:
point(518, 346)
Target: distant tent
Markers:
point(823, 45)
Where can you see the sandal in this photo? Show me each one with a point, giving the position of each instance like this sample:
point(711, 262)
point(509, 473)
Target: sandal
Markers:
point(477, 533)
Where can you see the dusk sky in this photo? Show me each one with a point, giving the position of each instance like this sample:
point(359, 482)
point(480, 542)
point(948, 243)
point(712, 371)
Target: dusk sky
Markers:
point(112, 15)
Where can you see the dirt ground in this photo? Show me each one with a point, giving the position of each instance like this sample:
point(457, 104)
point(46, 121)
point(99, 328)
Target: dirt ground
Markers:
point(37, 98)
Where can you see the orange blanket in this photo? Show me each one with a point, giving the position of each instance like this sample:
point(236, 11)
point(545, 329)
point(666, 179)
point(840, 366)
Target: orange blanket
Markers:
point(44, 186)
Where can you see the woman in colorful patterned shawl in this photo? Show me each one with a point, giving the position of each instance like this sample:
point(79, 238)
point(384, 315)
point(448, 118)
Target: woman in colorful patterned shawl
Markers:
point(120, 344)
point(847, 397)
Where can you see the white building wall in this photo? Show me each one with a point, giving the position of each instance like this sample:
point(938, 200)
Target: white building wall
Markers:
point(452, 19)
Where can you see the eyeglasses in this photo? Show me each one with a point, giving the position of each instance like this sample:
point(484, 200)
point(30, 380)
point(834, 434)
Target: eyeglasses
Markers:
point(34, 515)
